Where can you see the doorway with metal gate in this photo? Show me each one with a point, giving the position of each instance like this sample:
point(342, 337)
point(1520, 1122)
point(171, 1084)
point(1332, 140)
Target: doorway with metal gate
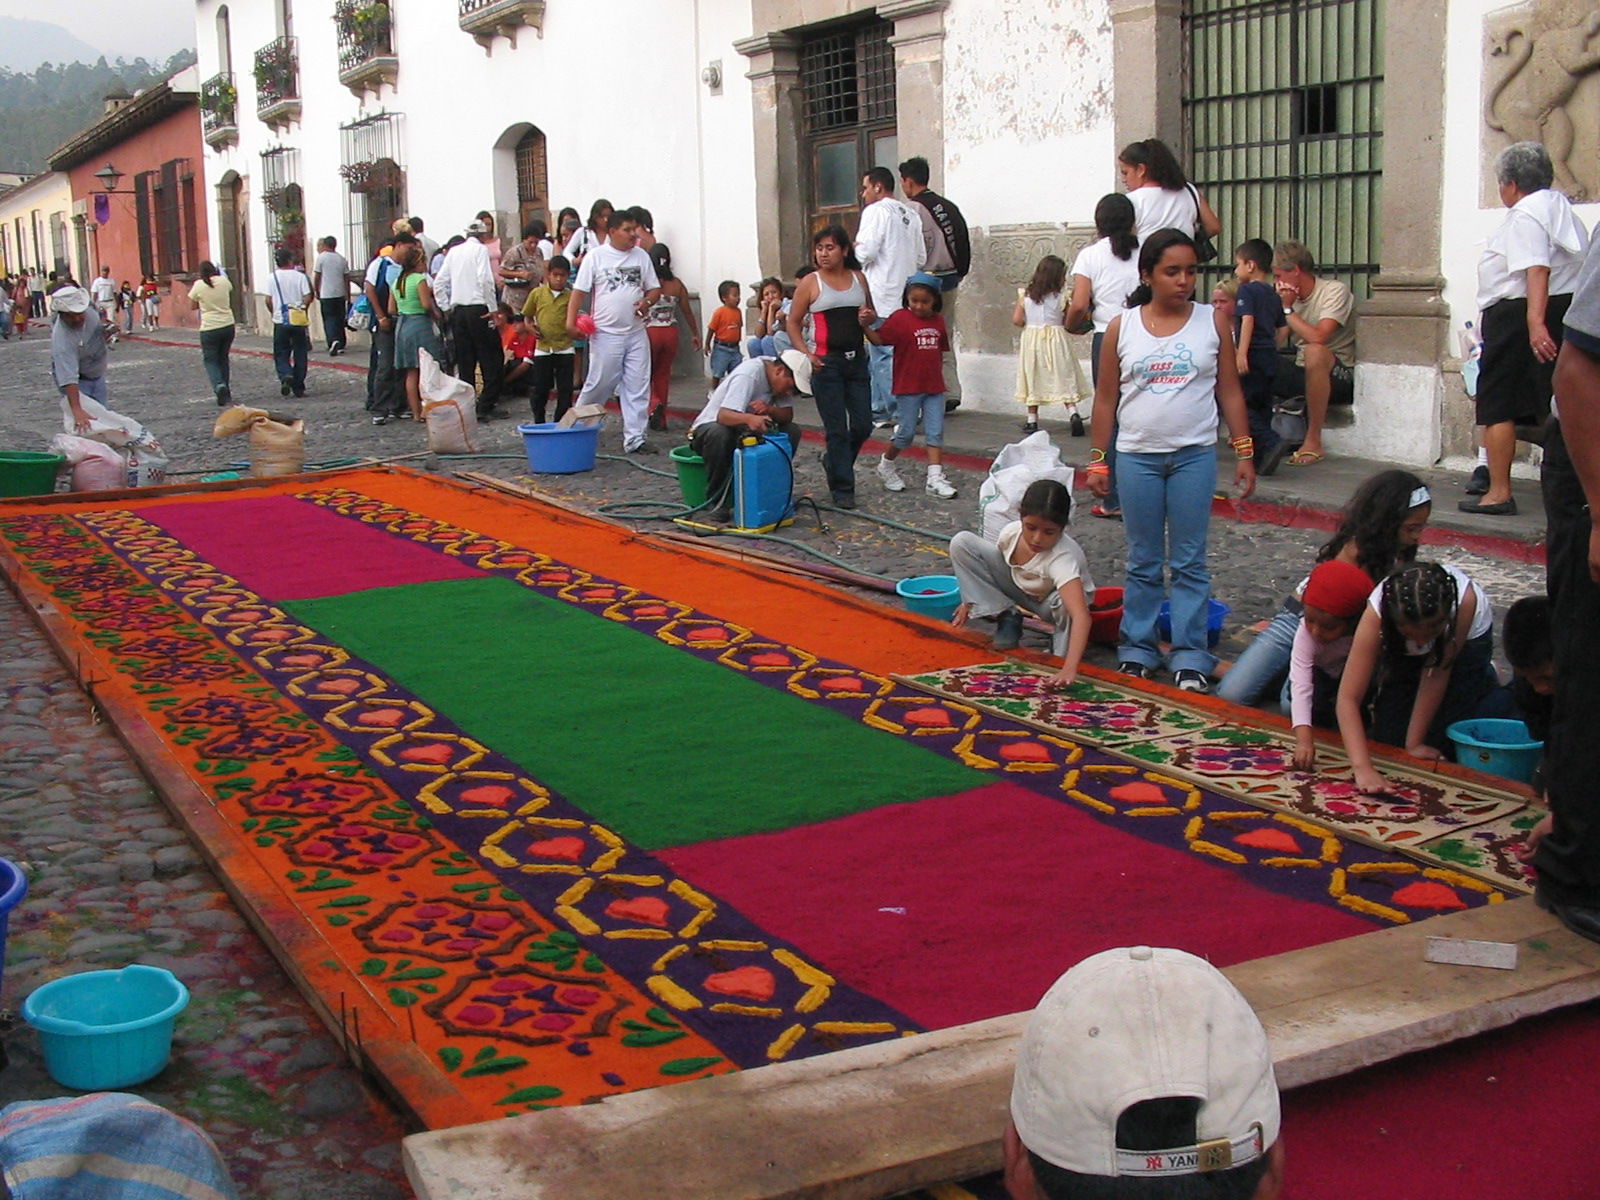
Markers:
point(1283, 124)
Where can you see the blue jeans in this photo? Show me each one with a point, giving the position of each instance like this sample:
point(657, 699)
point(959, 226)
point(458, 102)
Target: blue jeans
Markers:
point(1166, 507)
point(214, 347)
point(930, 407)
point(843, 394)
point(291, 346)
point(725, 357)
point(1264, 662)
point(770, 346)
point(881, 360)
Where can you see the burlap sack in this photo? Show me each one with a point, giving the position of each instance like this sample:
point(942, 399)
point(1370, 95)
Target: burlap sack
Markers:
point(277, 449)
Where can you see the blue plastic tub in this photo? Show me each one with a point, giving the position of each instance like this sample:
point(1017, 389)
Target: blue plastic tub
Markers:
point(13, 887)
point(553, 450)
point(1216, 613)
point(106, 1030)
point(1497, 746)
point(935, 596)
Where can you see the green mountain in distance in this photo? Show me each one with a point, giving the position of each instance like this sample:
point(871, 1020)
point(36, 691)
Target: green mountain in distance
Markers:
point(42, 108)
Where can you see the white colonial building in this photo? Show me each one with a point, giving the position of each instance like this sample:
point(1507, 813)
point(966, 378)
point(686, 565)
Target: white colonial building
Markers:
point(1362, 127)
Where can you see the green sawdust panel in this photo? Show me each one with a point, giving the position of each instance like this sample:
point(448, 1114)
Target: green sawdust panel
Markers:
point(661, 746)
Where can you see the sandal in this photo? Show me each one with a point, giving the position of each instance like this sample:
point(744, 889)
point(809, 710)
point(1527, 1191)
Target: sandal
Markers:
point(1110, 514)
point(1304, 458)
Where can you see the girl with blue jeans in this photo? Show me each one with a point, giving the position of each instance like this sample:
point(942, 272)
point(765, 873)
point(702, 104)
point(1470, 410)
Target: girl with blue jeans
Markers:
point(1167, 364)
point(1379, 532)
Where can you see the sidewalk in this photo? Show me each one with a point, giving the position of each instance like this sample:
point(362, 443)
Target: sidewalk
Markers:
point(1298, 496)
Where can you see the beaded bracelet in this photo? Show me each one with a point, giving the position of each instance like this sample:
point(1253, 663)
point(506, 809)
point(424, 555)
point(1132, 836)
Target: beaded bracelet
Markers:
point(1097, 468)
point(1244, 447)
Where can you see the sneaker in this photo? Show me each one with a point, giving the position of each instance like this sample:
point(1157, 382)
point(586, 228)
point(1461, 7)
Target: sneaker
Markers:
point(1076, 426)
point(890, 475)
point(380, 419)
point(1008, 630)
point(1137, 670)
point(1478, 483)
point(642, 448)
point(938, 485)
point(1190, 680)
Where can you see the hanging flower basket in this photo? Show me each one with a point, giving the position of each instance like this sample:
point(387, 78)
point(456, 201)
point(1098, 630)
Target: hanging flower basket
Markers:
point(364, 177)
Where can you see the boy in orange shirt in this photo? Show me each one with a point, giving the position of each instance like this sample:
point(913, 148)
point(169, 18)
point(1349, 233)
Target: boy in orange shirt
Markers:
point(726, 331)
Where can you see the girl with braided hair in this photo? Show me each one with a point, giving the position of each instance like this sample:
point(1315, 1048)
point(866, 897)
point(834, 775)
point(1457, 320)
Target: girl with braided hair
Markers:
point(1420, 662)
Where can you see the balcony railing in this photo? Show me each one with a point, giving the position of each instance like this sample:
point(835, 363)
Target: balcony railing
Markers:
point(219, 110)
point(278, 82)
point(366, 45)
point(486, 20)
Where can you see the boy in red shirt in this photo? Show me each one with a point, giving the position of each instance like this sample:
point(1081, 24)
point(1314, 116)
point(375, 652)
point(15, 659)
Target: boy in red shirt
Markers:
point(917, 333)
point(518, 342)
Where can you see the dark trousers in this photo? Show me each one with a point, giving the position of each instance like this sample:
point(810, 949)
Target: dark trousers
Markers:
point(478, 349)
point(716, 443)
point(843, 390)
point(1257, 386)
point(1568, 860)
point(214, 347)
point(551, 370)
point(1471, 681)
point(385, 392)
point(333, 313)
point(291, 348)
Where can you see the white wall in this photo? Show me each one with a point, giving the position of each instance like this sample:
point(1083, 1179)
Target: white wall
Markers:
point(627, 119)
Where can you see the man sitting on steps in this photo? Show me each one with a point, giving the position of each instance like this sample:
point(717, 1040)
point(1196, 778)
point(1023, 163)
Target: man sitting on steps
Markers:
point(1320, 316)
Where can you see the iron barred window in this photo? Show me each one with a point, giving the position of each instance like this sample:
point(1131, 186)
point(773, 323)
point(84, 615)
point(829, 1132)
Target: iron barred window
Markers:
point(848, 77)
point(1283, 105)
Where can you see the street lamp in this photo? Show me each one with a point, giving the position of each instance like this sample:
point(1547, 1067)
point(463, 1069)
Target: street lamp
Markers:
point(110, 177)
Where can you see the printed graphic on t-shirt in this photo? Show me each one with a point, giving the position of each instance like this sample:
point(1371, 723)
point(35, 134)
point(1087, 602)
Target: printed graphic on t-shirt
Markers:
point(927, 338)
point(1166, 371)
point(624, 276)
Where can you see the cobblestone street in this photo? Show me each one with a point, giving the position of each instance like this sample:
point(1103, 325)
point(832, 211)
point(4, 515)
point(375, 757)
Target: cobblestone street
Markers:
point(113, 879)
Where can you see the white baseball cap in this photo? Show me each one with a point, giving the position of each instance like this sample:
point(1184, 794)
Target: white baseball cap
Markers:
point(1143, 1023)
point(800, 367)
point(69, 300)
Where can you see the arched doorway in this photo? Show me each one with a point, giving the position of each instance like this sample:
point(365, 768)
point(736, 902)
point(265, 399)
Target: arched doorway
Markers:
point(521, 177)
point(233, 227)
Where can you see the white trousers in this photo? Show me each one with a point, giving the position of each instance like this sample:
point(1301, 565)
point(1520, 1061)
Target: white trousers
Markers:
point(619, 365)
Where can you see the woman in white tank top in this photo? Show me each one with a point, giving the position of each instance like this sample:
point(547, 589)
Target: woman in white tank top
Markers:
point(1162, 197)
point(1166, 365)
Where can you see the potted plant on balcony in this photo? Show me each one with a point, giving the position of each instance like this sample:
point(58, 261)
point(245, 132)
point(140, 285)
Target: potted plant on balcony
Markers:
point(221, 100)
point(366, 26)
point(274, 73)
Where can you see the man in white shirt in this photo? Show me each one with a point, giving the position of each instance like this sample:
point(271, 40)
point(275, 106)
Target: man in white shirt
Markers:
point(465, 289)
point(288, 298)
point(330, 279)
point(623, 282)
point(890, 247)
point(744, 402)
point(103, 291)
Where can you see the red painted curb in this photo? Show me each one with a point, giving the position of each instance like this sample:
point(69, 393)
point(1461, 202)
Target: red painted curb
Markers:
point(1245, 512)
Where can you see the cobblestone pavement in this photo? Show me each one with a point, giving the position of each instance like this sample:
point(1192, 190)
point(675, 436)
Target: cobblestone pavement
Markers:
point(113, 879)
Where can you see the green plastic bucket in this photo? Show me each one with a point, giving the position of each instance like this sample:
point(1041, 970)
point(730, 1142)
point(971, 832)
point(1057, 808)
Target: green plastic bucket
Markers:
point(28, 473)
point(691, 475)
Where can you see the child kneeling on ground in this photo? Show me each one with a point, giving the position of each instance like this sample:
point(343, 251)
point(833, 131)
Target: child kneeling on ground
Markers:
point(1034, 565)
point(1334, 598)
point(917, 333)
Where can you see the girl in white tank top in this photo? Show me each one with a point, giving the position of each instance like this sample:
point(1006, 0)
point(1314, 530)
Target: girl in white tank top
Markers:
point(1165, 365)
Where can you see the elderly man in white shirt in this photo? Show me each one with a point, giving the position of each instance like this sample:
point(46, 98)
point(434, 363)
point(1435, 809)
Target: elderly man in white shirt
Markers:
point(890, 247)
point(465, 289)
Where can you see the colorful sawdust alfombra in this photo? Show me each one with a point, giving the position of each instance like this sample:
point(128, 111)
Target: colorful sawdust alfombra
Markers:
point(540, 810)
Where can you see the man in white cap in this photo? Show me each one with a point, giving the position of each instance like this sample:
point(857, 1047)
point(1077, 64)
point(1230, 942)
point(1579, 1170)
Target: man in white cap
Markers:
point(750, 399)
point(77, 353)
point(1144, 1075)
point(465, 289)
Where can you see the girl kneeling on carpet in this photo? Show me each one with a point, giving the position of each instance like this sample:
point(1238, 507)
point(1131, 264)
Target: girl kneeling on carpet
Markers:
point(1034, 565)
point(1332, 602)
point(1420, 662)
point(1379, 532)
point(1166, 366)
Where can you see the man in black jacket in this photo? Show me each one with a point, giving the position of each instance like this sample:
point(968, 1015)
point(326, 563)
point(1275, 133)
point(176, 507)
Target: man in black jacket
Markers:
point(944, 234)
